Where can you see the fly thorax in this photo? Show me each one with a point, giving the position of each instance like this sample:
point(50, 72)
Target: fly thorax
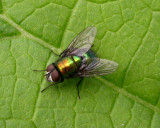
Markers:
point(77, 60)
point(68, 65)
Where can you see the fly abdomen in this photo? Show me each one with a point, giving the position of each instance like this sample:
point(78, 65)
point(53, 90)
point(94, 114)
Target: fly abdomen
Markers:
point(68, 65)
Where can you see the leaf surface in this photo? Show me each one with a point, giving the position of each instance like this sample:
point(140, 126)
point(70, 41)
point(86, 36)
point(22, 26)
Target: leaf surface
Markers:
point(128, 33)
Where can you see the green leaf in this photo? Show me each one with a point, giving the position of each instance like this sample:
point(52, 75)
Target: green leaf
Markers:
point(128, 32)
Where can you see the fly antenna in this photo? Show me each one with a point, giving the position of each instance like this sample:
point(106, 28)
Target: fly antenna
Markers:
point(46, 74)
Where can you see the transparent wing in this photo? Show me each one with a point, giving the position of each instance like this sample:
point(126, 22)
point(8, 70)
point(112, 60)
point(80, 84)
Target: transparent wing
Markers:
point(82, 43)
point(97, 67)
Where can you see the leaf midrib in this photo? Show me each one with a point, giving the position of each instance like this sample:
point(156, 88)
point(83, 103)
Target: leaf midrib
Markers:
point(129, 95)
point(27, 34)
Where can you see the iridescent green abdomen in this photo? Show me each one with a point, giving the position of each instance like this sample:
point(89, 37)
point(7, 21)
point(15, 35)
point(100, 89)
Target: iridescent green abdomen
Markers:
point(68, 65)
point(88, 56)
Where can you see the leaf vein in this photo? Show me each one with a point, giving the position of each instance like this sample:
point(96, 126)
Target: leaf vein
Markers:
point(68, 21)
point(135, 53)
point(36, 102)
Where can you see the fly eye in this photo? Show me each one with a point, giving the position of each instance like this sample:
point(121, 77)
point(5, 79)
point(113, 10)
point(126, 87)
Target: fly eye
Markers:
point(55, 76)
point(50, 68)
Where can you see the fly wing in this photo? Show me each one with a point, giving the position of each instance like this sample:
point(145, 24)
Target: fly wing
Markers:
point(97, 67)
point(82, 43)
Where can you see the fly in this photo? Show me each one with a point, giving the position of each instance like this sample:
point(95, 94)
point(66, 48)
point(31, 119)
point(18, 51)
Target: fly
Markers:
point(78, 60)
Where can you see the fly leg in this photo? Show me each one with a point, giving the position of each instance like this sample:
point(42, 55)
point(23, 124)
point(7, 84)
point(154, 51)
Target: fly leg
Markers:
point(39, 70)
point(49, 86)
point(54, 53)
point(78, 86)
point(92, 45)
